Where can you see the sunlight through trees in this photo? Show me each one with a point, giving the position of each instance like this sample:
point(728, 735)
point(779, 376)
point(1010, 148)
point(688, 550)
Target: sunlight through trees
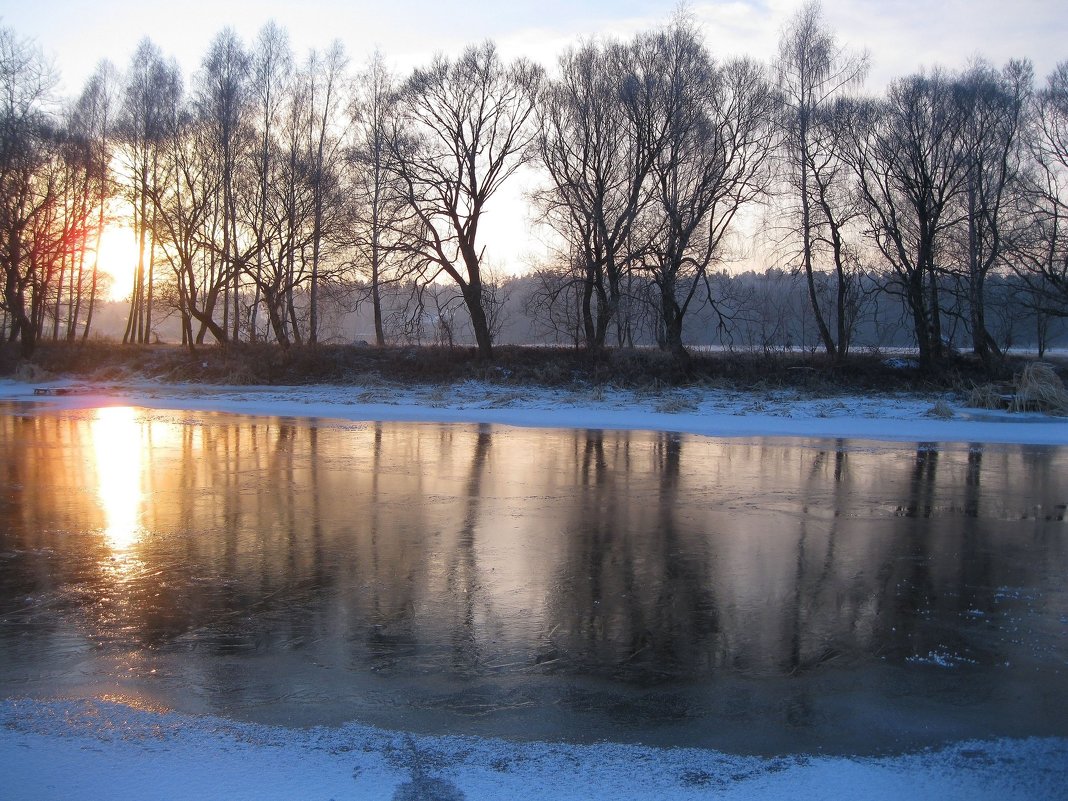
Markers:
point(269, 192)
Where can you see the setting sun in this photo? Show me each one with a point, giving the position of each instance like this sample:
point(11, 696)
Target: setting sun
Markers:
point(118, 258)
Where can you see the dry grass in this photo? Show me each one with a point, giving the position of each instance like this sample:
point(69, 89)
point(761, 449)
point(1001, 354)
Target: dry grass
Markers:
point(940, 410)
point(988, 396)
point(1039, 388)
point(675, 404)
point(29, 372)
point(512, 367)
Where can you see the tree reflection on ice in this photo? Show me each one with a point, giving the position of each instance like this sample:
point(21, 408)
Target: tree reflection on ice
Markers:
point(535, 583)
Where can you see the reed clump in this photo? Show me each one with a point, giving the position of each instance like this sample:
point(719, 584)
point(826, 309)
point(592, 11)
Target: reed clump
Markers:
point(1039, 388)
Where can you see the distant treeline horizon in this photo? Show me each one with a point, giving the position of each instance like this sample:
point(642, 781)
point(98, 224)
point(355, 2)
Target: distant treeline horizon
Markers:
point(769, 313)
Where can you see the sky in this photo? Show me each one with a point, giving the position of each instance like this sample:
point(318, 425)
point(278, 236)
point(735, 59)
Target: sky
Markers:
point(901, 36)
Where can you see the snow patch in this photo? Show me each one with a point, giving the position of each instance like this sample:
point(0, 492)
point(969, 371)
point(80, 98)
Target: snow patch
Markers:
point(941, 658)
point(97, 750)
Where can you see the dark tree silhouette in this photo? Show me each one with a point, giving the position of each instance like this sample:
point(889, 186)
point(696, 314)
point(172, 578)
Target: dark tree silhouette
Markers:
point(464, 127)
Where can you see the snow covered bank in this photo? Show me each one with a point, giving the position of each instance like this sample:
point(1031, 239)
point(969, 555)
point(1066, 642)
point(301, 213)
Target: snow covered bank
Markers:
point(96, 750)
point(720, 413)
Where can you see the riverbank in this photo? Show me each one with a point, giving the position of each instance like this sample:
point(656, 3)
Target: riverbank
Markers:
point(907, 416)
point(515, 367)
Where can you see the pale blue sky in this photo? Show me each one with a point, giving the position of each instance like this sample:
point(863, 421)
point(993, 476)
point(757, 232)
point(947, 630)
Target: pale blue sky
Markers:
point(902, 35)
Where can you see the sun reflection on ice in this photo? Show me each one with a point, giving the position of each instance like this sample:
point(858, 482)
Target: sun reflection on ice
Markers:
point(118, 448)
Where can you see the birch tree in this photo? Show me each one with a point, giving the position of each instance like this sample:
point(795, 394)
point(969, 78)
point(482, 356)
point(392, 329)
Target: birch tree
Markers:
point(378, 202)
point(813, 69)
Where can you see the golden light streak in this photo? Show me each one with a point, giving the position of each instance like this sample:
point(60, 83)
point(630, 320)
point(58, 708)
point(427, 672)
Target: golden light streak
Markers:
point(118, 447)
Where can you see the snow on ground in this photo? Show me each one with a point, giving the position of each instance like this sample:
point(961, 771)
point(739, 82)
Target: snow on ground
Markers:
point(95, 750)
point(904, 417)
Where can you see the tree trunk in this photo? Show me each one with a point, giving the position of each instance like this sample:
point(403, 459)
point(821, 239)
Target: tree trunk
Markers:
point(151, 282)
point(134, 323)
point(934, 316)
point(479, 324)
point(672, 319)
point(376, 297)
point(589, 331)
point(920, 323)
point(806, 241)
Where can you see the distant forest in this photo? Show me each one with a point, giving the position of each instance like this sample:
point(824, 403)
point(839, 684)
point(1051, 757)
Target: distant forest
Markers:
point(297, 201)
point(766, 312)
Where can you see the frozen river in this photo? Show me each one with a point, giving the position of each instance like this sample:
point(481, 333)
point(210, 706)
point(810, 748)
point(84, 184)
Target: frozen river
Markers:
point(757, 597)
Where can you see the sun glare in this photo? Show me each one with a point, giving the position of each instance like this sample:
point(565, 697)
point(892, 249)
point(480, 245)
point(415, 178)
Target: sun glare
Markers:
point(118, 258)
point(118, 445)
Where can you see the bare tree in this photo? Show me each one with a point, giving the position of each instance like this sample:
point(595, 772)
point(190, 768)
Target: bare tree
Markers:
point(75, 153)
point(93, 117)
point(271, 76)
point(378, 201)
point(555, 306)
point(908, 157)
point(27, 190)
point(1041, 259)
point(463, 129)
point(186, 208)
point(221, 97)
point(598, 140)
point(152, 92)
point(813, 69)
point(996, 104)
point(278, 216)
point(714, 161)
point(325, 78)
point(288, 209)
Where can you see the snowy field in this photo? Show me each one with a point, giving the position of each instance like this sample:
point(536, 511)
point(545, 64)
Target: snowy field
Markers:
point(91, 749)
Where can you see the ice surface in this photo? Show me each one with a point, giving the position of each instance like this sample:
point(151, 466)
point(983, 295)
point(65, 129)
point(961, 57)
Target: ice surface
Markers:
point(95, 750)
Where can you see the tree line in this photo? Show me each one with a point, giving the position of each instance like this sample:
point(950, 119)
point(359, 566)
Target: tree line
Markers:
point(268, 184)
